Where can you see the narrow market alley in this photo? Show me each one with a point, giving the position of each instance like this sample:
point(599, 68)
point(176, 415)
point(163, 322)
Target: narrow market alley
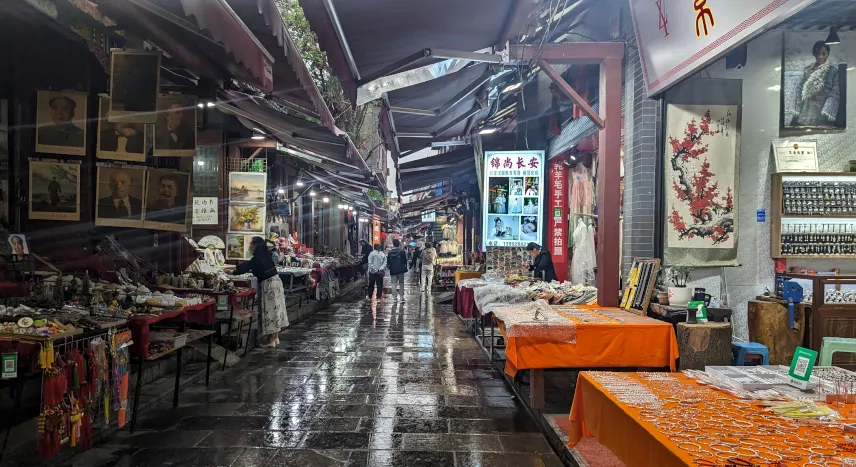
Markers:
point(357, 384)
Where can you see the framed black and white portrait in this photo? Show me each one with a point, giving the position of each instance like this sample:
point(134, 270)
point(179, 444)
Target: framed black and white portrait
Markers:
point(175, 129)
point(122, 141)
point(167, 193)
point(54, 191)
point(61, 122)
point(134, 86)
point(119, 195)
point(814, 84)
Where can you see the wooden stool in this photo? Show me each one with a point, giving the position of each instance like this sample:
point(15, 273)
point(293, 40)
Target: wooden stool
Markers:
point(704, 344)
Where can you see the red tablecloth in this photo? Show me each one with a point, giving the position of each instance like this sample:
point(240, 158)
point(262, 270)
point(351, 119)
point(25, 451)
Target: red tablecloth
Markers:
point(246, 293)
point(233, 296)
point(140, 324)
point(464, 302)
point(202, 313)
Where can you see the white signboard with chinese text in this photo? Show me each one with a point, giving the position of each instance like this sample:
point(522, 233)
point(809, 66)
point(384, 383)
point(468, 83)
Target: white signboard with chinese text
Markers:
point(513, 197)
point(677, 38)
point(429, 216)
point(795, 156)
point(205, 210)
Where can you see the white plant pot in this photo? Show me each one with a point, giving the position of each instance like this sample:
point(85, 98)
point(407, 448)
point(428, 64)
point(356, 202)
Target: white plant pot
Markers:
point(680, 296)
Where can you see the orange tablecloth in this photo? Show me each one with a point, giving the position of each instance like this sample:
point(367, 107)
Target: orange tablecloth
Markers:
point(637, 342)
point(617, 426)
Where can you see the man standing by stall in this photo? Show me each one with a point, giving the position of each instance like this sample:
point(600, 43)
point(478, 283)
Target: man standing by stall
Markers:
point(429, 257)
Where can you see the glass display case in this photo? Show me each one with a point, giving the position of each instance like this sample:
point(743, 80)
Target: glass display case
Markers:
point(813, 215)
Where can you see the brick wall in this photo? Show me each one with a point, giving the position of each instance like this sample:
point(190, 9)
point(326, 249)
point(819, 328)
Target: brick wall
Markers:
point(642, 127)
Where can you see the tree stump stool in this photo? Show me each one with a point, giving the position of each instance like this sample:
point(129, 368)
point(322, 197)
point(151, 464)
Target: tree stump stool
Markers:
point(768, 325)
point(704, 344)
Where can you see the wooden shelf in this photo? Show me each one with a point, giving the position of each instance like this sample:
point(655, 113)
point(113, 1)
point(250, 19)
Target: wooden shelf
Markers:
point(777, 214)
point(818, 216)
point(817, 256)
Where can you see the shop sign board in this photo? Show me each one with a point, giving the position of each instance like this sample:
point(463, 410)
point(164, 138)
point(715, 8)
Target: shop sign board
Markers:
point(429, 216)
point(513, 195)
point(204, 210)
point(375, 230)
point(558, 230)
point(677, 38)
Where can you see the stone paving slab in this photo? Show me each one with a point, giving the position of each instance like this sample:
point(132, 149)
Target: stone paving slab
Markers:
point(358, 384)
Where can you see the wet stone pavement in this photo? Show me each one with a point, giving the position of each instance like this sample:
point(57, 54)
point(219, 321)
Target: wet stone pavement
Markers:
point(357, 384)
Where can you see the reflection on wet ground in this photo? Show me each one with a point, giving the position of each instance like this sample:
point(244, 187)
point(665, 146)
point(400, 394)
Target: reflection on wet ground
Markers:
point(357, 384)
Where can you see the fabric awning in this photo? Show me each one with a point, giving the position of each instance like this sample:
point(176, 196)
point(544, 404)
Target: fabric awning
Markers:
point(221, 50)
point(449, 161)
point(432, 95)
point(291, 78)
point(309, 142)
point(226, 27)
point(409, 27)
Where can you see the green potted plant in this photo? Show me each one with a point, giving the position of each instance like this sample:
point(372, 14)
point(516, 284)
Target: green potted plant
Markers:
point(679, 294)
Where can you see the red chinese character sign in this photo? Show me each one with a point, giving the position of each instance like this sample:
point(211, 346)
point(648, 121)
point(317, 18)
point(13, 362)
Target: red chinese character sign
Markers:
point(513, 199)
point(701, 181)
point(375, 230)
point(557, 219)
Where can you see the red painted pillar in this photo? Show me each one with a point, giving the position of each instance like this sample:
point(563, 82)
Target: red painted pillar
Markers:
point(556, 235)
point(608, 182)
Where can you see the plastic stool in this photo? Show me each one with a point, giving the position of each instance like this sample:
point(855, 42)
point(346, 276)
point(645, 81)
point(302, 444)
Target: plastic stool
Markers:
point(741, 350)
point(835, 344)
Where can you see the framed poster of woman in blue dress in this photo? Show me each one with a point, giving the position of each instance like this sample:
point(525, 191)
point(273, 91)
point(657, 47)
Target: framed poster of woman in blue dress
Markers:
point(814, 83)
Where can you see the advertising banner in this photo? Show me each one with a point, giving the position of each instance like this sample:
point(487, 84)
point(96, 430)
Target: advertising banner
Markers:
point(557, 218)
point(513, 196)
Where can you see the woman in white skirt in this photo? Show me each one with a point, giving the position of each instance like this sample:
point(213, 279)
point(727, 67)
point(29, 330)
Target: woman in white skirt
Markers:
point(271, 293)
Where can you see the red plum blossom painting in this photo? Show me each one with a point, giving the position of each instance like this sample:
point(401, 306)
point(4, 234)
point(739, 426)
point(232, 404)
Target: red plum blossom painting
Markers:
point(701, 151)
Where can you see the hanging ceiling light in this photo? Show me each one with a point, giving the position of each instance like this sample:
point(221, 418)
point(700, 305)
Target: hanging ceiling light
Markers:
point(487, 131)
point(312, 193)
point(325, 199)
point(281, 191)
point(299, 183)
point(258, 136)
point(833, 39)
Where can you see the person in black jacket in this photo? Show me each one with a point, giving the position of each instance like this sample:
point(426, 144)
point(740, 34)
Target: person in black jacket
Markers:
point(272, 295)
point(396, 260)
point(542, 263)
point(365, 251)
point(415, 258)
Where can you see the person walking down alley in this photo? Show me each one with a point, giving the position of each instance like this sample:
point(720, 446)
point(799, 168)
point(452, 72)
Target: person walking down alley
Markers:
point(273, 317)
point(377, 269)
point(397, 260)
point(429, 257)
point(365, 251)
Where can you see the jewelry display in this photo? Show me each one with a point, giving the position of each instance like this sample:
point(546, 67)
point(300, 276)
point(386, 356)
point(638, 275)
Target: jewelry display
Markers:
point(819, 198)
point(714, 428)
point(818, 239)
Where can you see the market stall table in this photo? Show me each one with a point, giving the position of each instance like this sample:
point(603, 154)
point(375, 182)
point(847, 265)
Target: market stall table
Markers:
point(671, 420)
point(605, 338)
point(237, 298)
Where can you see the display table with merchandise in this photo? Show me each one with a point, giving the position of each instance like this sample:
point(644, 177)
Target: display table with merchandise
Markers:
point(670, 420)
point(605, 338)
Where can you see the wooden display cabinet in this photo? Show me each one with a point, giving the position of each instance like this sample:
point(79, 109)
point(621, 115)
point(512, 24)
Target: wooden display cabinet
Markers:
point(828, 319)
point(780, 221)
